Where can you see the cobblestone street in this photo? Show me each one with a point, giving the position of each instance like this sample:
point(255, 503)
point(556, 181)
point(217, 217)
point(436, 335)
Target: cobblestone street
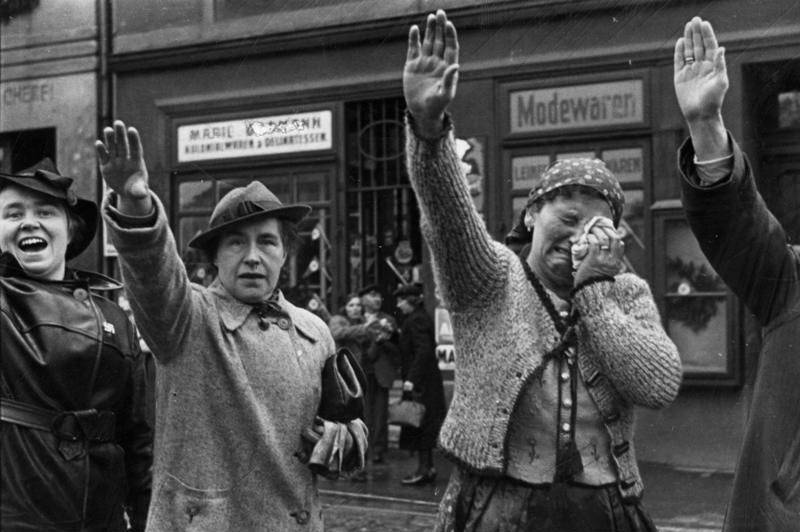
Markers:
point(346, 518)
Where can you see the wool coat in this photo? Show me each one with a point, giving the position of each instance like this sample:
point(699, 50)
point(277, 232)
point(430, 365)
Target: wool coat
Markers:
point(749, 249)
point(502, 330)
point(420, 366)
point(234, 391)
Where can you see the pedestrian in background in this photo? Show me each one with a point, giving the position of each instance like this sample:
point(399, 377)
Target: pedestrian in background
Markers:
point(349, 328)
point(380, 363)
point(239, 368)
point(419, 369)
point(75, 445)
point(555, 349)
point(750, 250)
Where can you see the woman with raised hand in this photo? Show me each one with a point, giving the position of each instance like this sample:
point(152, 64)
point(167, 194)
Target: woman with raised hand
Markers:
point(750, 250)
point(555, 348)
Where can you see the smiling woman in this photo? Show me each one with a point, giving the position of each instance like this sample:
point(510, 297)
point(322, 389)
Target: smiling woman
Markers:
point(92, 433)
point(34, 228)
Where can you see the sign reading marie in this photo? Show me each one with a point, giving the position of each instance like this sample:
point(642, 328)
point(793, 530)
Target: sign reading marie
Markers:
point(254, 137)
point(577, 106)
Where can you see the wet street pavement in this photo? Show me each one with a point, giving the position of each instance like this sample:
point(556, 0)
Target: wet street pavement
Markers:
point(677, 500)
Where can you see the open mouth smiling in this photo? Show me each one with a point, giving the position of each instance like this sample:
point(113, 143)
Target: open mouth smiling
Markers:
point(32, 244)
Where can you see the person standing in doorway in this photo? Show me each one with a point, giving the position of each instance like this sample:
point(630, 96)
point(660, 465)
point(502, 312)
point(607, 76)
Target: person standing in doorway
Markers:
point(380, 362)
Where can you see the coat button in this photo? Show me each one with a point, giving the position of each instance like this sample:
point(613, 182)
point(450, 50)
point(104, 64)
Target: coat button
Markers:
point(80, 294)
point(284, 323)
point(565, 376)
point(567, 402)
point(565, 427)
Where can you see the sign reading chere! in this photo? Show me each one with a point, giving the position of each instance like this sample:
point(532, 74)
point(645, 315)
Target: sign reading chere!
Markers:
point(251, 137)
point(577, 106)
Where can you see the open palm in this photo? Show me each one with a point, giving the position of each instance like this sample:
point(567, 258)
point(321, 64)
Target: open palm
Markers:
point(121, 161)
point(431, 71)
point(701, 77)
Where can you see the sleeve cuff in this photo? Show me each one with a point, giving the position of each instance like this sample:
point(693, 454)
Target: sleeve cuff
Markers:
point(712, 171)
point(128, 221)
point(447, 126)
point(591, 293)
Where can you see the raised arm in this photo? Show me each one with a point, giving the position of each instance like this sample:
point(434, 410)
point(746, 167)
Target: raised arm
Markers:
point(742, 240)
point(155, 277)
point(465, 258)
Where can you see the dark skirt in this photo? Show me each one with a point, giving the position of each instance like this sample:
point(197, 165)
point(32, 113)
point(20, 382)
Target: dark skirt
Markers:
point(475, 503)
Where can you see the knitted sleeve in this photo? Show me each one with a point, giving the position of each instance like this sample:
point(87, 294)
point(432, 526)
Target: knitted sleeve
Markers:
point(466, 263)
point(623, 336)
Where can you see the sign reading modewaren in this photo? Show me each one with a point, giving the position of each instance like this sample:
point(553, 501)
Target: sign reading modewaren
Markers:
point(252, 137)
point(577, 106)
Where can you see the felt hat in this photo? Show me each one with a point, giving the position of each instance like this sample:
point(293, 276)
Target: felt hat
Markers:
point(247, 204)
point(44, 178)
point(406, 290)
point(369, 288)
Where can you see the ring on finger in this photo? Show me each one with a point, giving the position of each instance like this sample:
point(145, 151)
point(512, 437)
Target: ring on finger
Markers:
point(688, 60)
point(605, 248)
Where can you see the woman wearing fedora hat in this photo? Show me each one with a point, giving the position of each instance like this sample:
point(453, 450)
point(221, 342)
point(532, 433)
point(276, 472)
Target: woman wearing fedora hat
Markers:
point(239, 368)
point(76, 445)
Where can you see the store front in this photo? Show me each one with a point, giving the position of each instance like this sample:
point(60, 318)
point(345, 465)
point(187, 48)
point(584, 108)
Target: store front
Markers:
point(218, 97)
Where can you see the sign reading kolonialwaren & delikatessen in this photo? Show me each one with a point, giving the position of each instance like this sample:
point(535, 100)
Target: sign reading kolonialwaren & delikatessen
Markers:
point(253, 137)
point(576, 106)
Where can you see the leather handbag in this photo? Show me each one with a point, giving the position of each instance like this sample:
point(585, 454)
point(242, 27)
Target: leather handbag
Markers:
point(343, 385)
point(406, 412)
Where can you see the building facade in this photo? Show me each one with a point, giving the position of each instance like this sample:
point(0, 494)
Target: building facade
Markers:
point(51, 87)
point(307, 97)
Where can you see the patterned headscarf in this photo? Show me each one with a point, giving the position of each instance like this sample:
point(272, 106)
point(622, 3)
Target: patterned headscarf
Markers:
point(589, 173)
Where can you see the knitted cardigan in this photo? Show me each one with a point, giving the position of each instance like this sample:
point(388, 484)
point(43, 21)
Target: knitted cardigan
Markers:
point(502, 329)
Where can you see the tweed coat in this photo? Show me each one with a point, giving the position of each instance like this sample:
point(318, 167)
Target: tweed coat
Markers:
point(502, 330)
point(232, 396)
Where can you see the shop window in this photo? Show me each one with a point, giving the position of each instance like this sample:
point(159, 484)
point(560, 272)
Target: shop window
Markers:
point(22, 149)
point(306, 278)
point(382, 230)
point(627, 159)
point(697, 310)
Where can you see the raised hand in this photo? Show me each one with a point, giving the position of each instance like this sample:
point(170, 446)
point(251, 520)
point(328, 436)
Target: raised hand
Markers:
point(123, 168)
point(701, 78)
point(430, 75)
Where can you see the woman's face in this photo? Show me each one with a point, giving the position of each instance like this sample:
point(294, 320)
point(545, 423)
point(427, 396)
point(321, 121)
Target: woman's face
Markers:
point(556, 227)
point(353, 308)
point(34, 228)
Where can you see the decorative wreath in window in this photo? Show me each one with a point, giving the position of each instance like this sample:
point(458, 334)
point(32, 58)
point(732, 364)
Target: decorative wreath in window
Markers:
point(690, 278)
